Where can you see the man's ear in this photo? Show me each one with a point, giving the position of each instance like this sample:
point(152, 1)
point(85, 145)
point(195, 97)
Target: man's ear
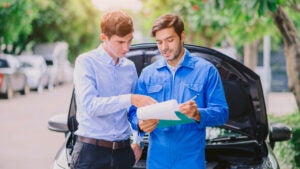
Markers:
point(183, 36)
point(103, 37)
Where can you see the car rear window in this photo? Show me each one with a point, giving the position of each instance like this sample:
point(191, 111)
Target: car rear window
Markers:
point(26, 64)
point(3, 63)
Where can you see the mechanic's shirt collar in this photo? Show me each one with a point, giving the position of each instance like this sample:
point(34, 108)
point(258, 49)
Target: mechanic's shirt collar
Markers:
point(184, 62)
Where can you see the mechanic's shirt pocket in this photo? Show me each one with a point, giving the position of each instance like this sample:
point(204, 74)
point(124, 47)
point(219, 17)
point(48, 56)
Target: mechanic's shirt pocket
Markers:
point(190, 90)
point(155, 91)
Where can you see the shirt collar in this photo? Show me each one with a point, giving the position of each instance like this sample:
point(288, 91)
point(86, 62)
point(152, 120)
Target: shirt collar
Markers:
point(186, 61)
point(105, 57)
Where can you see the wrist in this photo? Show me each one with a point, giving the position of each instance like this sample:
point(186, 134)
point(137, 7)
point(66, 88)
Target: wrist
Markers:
point(139, 143)
point(139, 129)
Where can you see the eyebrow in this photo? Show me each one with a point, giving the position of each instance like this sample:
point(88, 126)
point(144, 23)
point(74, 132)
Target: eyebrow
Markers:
point(124, 40)
point(172, 36)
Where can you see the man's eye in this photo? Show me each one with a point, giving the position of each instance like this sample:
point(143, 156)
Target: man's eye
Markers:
point(158, 42)
point(170, 40)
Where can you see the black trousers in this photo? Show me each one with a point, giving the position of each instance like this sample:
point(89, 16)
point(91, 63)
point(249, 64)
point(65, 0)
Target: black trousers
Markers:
point(89, 156)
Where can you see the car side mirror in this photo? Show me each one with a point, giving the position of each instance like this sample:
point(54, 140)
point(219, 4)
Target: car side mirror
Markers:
point(58, 123)
point(279, 132)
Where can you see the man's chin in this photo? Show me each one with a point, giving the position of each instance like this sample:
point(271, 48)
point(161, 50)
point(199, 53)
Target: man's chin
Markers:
point(168, 57)
point(122, 55)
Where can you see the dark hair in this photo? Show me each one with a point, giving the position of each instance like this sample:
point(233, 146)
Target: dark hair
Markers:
point(116, 23)
point(167, 21)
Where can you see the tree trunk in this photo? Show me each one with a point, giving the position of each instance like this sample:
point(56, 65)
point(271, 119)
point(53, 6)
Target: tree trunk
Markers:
point(291, 50)
point(250, 54)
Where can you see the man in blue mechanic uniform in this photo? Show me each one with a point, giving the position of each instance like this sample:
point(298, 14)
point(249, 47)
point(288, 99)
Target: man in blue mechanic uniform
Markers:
point(180, 76)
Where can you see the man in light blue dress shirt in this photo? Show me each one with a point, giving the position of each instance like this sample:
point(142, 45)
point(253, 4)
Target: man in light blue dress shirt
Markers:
point(180, 76)
point(104, 80)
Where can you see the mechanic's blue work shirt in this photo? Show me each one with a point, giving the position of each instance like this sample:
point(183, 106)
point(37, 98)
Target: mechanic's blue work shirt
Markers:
point(103, 95)
point(183, 146)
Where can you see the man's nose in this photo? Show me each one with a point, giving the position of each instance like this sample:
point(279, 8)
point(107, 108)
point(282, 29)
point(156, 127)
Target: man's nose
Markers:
point(126, 47)
point(165, 46)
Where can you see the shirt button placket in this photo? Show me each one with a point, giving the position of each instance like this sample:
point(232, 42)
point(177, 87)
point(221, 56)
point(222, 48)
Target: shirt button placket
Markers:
point(115, 81)
point(115, 91)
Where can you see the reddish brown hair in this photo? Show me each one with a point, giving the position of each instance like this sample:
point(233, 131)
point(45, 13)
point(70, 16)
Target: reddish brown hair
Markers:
point(116, 23)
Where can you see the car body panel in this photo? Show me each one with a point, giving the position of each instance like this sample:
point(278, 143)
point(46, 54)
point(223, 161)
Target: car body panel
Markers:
point(56, 56)
point(35, 68)
point(13, 79)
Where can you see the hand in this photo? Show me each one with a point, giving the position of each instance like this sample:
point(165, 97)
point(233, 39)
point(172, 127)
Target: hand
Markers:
point(148, 125)
point(137, 150)
point(141, 100)
point(190, 109)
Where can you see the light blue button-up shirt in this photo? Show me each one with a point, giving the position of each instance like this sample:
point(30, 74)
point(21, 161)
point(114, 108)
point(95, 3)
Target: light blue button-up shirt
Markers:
point(103, 95)
point(183, 146)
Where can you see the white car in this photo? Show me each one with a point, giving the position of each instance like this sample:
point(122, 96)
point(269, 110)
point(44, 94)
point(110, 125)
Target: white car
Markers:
point(56, 55)
point(12, 80)
point(35, 68)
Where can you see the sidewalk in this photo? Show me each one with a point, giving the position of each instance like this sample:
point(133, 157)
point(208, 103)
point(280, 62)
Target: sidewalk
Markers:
point(281, 103)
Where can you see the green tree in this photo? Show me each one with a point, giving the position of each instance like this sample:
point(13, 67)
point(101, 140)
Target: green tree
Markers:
point(76, 22)
point(242, 23)
point(275, 10)
point(16, 17)
point(278, 11)
point(24, 23)
point(204, 25)
point(291, 44)
point(209, 22)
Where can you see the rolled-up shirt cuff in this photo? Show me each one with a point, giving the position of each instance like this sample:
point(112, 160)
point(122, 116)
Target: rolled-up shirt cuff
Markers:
point(125, 100)
point(137, 137)
point(202, 118)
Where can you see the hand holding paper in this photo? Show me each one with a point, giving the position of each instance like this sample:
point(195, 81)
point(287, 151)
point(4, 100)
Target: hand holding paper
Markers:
point(164, 111)
point(167, 112)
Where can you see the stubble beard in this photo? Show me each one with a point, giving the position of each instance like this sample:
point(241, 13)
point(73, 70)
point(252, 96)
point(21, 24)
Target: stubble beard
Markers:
point(176, 54)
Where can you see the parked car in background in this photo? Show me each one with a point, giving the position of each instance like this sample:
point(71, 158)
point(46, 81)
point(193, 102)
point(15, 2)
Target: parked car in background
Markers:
point(12, 79)
point(56, 56)
point(35, 68)
point(245, 141)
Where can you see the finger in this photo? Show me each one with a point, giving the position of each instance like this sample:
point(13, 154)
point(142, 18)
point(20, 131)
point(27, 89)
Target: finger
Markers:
point(145, 125)
point(191, 102)
point(150, 127)
point(152, 100)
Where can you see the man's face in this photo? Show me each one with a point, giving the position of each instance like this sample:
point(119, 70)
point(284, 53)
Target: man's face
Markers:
point(170, 44)
point(117, 46)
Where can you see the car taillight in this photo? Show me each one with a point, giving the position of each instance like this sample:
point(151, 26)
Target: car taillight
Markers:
point(1, 79)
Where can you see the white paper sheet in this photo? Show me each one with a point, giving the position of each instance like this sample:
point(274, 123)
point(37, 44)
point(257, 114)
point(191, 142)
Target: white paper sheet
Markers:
point(163, 111)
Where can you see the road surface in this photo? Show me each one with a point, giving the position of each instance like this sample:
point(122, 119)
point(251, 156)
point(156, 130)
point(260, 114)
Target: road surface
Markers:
point(26, 142)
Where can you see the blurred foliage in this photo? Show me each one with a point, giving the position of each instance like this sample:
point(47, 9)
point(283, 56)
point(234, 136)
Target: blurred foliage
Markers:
point(288, 152)
point(15, 22)
point(204, 25)
point(212, 22)
point(209, 22)
point(73, 21)
point(24, 23)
